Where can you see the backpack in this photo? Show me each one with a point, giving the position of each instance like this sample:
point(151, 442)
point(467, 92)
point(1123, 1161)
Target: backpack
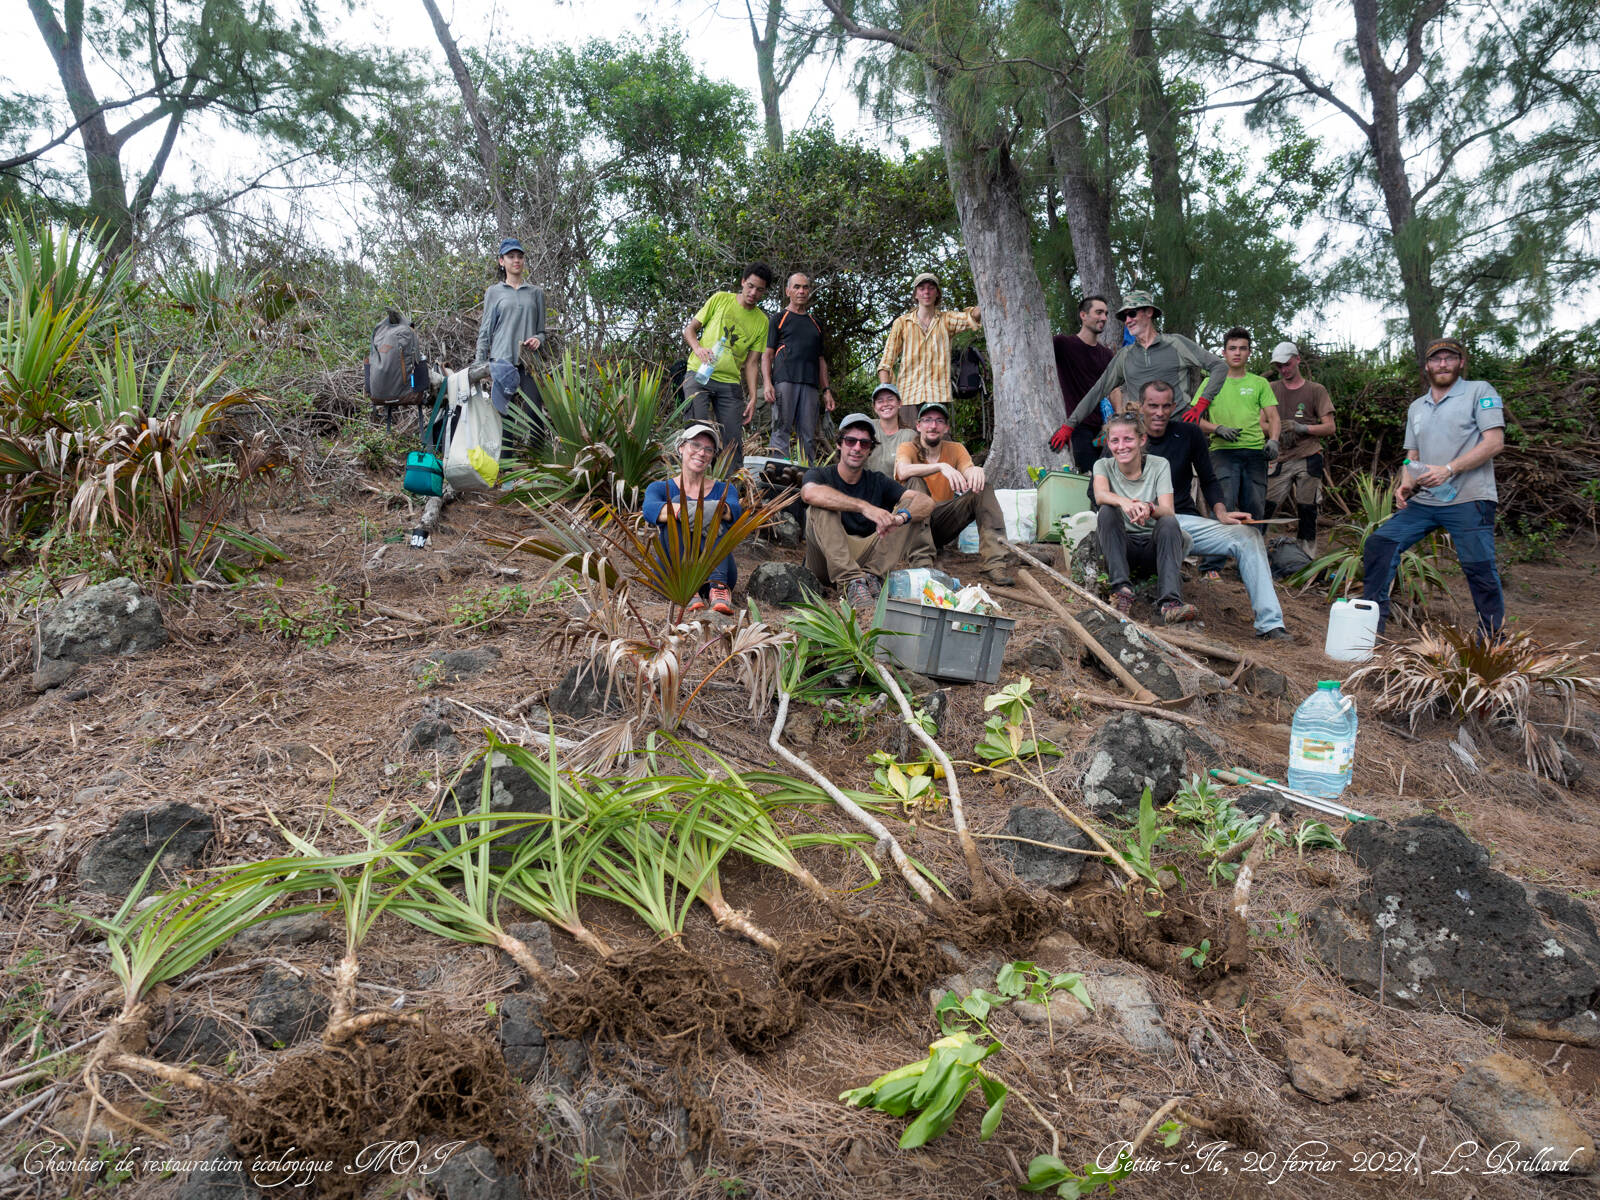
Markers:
point(395, 367)
point(1286, 558)
point(966, 372)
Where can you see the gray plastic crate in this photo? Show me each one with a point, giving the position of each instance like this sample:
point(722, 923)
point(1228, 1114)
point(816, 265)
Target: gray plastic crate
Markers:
point(940, 642)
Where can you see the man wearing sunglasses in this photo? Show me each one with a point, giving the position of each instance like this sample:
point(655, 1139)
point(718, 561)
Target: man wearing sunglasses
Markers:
point(1170, 357)
point(860, 524)
point(1453, 432)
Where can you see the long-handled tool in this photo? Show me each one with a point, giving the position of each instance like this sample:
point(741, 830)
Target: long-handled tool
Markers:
point(1240, 775)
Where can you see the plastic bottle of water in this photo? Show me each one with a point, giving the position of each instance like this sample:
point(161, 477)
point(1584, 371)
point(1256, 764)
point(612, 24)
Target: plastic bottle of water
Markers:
point(703, 374)
point(1322, 742)
point(1443, 493)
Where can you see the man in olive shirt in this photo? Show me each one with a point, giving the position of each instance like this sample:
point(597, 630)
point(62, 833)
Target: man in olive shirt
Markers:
point(960, 492)
point(1453, 432)
point(1305, 414)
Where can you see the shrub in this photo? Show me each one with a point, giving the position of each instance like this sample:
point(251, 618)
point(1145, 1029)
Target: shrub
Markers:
point(1418, 576)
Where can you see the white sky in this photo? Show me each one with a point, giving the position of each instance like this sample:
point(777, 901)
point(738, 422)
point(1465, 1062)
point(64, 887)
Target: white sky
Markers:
point(718, 39)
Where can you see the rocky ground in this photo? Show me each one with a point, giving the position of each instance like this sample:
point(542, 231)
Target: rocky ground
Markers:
point(1393, 1014)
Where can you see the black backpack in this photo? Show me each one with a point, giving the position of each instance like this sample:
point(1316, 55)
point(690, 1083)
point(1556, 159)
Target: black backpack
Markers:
point(396, 368)
point(966, 372)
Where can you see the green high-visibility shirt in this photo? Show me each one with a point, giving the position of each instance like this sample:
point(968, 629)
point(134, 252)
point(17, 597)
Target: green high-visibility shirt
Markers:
point(1239, 404)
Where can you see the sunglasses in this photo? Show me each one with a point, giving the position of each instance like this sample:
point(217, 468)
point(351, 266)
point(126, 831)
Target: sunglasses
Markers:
point(855, 441)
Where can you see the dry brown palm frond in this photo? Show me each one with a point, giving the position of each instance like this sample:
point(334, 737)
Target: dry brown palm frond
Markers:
point(1481, 681)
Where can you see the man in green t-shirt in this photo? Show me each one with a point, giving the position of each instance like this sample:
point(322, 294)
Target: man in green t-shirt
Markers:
point(728, 334)
point(1242, 419)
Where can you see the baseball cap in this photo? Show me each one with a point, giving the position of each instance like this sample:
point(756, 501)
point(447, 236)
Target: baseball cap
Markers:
point(885, 387)
point(1444, 343)
point(933, 406)
point(926, 277)
point(1283, 352)
point(859, 419)
point(507, 245)
point(695, 431)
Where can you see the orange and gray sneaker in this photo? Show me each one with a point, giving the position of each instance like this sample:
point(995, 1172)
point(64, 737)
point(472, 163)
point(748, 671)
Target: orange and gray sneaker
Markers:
point(698, 604)
point(721, 599)
point(1176, 612)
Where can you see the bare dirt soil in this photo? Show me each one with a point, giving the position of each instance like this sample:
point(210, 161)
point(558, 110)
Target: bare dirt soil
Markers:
point(255, 728)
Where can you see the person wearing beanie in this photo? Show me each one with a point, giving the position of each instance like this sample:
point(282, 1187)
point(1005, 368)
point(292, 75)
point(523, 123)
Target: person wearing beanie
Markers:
point(1453, 431)
point(918, 348)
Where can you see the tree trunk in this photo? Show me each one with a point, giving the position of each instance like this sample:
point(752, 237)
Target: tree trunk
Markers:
point(1086, 209)
point(765, 41)
point(989, 199)
point(1413, 249)
point(488, 152)
point(1158, 121)
point(102, 153)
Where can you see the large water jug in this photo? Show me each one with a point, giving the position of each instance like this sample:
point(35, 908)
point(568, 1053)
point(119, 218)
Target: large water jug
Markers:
point(1059, 494)
point(1352, 630)
point(1322, 742)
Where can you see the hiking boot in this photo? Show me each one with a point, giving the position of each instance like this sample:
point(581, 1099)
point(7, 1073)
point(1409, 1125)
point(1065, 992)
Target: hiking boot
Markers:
point(1176, 612)
point(1280, 634)
point(1211, 576)
point(1000, 576)
point(721, 599)
point(698, 604)
point(860, 595)
point(1122, 600)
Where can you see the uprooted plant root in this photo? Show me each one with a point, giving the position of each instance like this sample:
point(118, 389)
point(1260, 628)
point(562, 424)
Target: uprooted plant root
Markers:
point(866, 964)
point(1120, 924)
point(332, 1103)
point(662, 997)
point(1014, 917)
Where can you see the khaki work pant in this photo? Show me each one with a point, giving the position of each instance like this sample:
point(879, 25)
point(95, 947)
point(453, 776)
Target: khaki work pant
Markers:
point(1292, 479)
point(835, 557)
point(950, 517)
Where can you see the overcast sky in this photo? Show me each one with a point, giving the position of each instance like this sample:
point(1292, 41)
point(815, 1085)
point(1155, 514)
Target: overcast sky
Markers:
point(718, 37)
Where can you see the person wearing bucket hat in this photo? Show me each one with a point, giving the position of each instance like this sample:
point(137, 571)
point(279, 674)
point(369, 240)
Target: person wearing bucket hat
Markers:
point(916, 355)
point(961, 495)
point(860, 524)
point(1151, 355)
point(694, 496)
point(510, 332)
point(1453, 432)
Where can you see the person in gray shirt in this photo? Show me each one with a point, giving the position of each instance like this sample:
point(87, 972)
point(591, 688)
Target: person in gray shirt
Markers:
point(1151, 355)
point(1453, 432)
point(513, 322)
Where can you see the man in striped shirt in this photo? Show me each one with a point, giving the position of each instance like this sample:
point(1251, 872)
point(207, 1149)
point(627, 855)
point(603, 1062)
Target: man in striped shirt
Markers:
point(919, 345)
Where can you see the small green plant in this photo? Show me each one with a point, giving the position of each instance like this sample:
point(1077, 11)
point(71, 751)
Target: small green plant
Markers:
point(486, 606)
point(583, 1169)
point(1528, 542)
point(1284, 925)
point(1196, 956)
point(1313, 834)
point(430, 674)
point(935, 1089)
point(910, 784)
point(732, 1186)
point(1147, 837)
point(378, 450)
point(1047, 1171)
point(317, 619)
point(1004, 738)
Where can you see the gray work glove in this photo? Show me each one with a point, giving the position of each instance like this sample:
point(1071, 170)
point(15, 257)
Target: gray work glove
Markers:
point(1300, 427)
point(1272, 449)
point(1227, 433)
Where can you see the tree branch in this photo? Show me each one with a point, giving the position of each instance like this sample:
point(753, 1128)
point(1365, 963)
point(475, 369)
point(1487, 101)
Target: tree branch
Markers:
point(1414, 54)
point(871, 33)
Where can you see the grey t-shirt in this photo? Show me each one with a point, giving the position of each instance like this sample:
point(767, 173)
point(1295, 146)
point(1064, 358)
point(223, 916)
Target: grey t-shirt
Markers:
point(1437, 432)
point(1154, 479)
point(1171, 357)
point(882, 457)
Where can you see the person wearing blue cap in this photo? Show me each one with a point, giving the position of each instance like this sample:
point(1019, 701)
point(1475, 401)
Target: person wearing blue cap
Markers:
point(510, 333)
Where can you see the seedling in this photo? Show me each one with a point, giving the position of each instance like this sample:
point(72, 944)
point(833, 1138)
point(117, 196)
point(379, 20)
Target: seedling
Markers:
point(1004, 738)
point(1196, 956)
point(936, 1087)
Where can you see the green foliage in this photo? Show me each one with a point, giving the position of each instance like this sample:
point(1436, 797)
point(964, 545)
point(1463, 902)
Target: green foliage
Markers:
point(935, 1088)
point(1314, 834)
point(1140, 846)
point(912, 785)
point(1418, 576)
point(1196, 956)
point(316, 619)
point(1003, 739)
point(379, 450)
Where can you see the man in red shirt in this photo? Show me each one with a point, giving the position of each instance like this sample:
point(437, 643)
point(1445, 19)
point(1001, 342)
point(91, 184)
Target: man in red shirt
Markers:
point(1080, 360)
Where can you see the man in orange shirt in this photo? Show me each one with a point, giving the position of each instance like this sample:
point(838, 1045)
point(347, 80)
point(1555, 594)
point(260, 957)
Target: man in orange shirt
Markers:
point(961, 495)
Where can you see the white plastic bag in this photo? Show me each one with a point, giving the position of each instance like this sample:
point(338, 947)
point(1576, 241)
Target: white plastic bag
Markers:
point(472, 438)
point(1018, 506)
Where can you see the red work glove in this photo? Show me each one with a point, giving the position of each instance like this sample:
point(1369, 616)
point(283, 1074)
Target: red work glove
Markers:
point(1060, 438)
point(1195, 411)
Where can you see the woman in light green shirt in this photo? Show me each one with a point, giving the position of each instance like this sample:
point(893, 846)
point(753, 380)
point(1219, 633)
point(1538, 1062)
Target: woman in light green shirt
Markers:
point(1137, 526)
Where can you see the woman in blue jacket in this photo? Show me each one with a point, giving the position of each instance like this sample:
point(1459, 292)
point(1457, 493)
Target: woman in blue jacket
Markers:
point(697, 449)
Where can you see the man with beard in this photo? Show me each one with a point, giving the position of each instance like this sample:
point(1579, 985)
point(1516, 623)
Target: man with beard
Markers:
point(1453, 432)
point(961, 495)
point(1183, 445)
point(1080, 360)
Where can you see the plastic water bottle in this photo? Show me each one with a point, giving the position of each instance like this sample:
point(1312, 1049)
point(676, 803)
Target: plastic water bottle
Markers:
point(1443, 493)
point(703, 374)
point(1322, 742)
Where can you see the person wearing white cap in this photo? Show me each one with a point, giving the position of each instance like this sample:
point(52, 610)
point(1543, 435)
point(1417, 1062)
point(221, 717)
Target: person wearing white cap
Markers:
point(860, 524)
point(918, 347)
point(1305, 411)
point(693, 494)
point(897, 425)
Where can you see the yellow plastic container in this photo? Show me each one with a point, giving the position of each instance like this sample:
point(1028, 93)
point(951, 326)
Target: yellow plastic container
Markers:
point(1061, 494)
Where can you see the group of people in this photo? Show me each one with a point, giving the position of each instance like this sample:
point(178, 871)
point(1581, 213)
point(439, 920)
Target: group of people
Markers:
point(1157, 423)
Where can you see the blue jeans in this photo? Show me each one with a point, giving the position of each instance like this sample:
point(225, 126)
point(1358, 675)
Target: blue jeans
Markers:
point(1244, 545)
point(1242, 476)
point(1470, 525)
